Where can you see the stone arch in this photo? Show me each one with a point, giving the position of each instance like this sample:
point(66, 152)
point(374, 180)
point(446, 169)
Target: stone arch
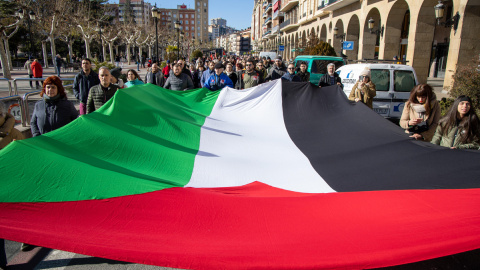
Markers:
point(421, 40)
point(323, 33)
point(330, 29)
point(337, 45)
point(371, 42)
point(396, 31)
point(312, 31)
point(464, 41)
point(353, 34)
point(295, 53)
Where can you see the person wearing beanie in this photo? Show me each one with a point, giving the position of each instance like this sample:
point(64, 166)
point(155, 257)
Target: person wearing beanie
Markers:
point(116, 80)
point(219, 79)
point(53, 111)
point(364, 90)
point(277, 71)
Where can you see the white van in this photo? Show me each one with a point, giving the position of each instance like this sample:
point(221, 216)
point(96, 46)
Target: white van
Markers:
point(272, 55)
point(392, 81)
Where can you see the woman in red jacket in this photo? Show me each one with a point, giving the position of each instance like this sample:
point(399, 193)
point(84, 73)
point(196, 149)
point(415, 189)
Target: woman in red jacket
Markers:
point(37, 72)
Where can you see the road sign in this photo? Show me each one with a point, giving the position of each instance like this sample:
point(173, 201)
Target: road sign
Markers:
point(348, 45)
point(281, 48)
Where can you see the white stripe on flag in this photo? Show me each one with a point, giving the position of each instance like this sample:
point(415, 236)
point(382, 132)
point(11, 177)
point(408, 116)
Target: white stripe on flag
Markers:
point(245, 140)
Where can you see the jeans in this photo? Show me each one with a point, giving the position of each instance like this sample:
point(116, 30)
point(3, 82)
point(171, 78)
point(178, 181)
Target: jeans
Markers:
point(3, 254)
point(138, 66)
point(58, 71)
point(31, 76)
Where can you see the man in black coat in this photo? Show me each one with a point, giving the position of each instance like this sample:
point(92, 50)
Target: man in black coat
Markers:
point(331, 78)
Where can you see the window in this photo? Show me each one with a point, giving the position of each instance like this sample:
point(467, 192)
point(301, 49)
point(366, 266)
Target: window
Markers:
point(204, 4)
point(181, 21)
point(198, 3)
point(381, 79)
point(186, 22)
point(192, 22)
point(174, 15)
point(404, 80)
point(186, 16)
point(205, 10)
point(193, 16)
point(198, 28)
point(186, 28)
point(198, 34)
point(181, 16)
point(187, 34)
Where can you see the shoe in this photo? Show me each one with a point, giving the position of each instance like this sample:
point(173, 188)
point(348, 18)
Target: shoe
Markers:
point(27, 247)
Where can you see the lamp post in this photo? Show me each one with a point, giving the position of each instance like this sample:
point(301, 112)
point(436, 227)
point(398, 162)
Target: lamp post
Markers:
point(31, 17)
point(177, 27)
point(341, 37)
point(155, 15)
point(439, 13)
point(371, 25)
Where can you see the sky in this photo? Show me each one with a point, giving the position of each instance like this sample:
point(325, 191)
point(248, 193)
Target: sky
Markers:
point(238, 13)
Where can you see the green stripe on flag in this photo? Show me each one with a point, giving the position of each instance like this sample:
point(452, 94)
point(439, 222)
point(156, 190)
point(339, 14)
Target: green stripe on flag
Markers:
point(144, 139)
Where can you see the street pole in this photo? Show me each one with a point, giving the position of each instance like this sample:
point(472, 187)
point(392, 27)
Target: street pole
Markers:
point(156, 39)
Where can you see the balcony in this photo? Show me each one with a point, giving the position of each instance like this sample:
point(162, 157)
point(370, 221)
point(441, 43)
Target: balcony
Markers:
point(289, 5)
point(264, 15)
point(265, 36)
point(289, 24)
point(268, 20)
point(337, 4)
point(269, 7)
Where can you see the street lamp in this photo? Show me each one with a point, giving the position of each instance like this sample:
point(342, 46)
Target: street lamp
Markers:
point(371, 25)
point(31, 17)
point(177, 27)
point(439, 13)
point(156, 14)
point(341, 37)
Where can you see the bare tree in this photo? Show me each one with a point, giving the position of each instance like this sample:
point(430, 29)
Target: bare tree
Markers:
point(131, 33)
point(7, 24)
point(109, 35)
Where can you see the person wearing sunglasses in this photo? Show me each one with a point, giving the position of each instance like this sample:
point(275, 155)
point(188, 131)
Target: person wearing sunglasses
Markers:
point(249, 77)
point(290, 75)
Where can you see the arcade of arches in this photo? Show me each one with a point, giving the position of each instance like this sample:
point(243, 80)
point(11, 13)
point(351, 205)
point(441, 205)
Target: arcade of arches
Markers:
point(406, 29)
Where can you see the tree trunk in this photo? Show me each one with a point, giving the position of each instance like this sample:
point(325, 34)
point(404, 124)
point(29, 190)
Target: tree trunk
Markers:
point(9, 56)
point(3, 60)
point(45, 55)
point(54, 52)
point(128, 54)
point(87, 48)
point(110, 47)
point(104, 51)
point(70, 50)
point(140, 52)
point(150, 52)
point(116, 49)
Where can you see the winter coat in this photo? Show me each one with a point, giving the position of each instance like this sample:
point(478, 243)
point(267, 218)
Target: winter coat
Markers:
point(291, 77)
point(369, 92)
point(304, 76)
point(83, 83)
point(166, 71)
point(133, 83)
point(159, 79)
point(37, 70)
point(197, 76)
point(263, 72)
point(99, 96)
point(216, 82)
point(325, 80)
point(233, 77)
point(276, 72)
point(28, 67)
point(206, 74)
point(58, 61)
point(179, 83)
point(50, 115)
point(451, 138)
point(247, 80)
point(432, 120)
point(8, 132)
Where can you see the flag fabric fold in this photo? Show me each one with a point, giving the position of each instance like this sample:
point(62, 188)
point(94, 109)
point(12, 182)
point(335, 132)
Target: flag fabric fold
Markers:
point(283, 175)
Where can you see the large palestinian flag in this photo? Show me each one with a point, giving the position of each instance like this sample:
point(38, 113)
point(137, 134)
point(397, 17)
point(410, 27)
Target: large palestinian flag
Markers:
point(284, 175)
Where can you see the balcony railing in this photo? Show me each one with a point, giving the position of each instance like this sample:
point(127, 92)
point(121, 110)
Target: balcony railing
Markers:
point(323, 4)
point(268, 20)
point(285, 23)
point(268, 7)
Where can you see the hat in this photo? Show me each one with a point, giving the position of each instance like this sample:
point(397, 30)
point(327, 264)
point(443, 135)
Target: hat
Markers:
point(168, 61)
point(219, 65)
point(278, 58)
point(268, 58)
point(116, 72)
point(365, 72)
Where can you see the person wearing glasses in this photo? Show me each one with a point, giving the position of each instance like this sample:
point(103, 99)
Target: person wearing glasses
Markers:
point(262, 70)
point(249, 77)
point(290, 75)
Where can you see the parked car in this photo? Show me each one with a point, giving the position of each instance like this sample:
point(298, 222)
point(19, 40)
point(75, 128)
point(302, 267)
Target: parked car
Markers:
point(393, 83)
point(317, 65)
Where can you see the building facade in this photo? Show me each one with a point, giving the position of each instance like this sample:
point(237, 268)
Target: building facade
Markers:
point(201, 13)
point(406, 29)
point(141, 11)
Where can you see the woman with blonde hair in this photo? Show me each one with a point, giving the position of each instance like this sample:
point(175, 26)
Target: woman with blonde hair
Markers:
point(421, 113)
